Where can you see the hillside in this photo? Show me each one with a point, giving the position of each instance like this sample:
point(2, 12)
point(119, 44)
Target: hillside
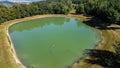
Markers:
point(7, 3)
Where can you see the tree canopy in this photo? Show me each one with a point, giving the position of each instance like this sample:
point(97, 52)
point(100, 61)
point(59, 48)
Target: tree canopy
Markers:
point(106, 10)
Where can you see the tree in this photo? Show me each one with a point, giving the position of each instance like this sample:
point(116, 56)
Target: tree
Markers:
point(16, 10)
point(80, 9)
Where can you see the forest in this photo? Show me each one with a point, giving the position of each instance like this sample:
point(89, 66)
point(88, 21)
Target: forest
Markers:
point(106, 10)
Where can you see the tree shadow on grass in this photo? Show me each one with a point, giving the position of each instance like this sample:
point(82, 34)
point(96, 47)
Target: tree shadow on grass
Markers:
point(103, 58)
point(109, 28)
point(99, 24)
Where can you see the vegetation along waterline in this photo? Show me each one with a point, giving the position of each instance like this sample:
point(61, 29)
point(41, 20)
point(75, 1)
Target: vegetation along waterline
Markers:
point(106, 10)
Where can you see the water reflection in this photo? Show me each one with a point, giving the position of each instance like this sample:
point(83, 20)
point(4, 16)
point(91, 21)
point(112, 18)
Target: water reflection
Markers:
point(28, 25)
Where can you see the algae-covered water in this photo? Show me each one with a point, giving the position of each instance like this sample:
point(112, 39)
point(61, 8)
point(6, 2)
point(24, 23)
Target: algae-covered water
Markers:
point(52, 42)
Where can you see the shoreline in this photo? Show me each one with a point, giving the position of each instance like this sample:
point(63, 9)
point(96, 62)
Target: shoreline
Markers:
point(9, 41)
point(17, 60)
point(12, 22)
point(80, 59)
point(108, 39)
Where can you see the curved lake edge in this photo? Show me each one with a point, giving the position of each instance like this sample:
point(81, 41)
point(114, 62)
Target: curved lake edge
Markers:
point(13, 49)
point(14, 54)
point(17, 61)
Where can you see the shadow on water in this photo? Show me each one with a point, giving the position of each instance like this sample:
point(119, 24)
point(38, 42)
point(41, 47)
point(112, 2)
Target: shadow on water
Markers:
point(104, 58)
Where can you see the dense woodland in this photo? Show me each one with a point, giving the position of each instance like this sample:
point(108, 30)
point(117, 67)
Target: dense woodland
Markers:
point(106, 10)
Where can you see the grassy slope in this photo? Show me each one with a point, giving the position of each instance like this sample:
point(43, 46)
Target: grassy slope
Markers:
point(109, 38)
point(6, 60)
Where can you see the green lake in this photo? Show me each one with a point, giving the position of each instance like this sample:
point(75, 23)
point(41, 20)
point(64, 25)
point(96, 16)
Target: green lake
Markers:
point(52, 42)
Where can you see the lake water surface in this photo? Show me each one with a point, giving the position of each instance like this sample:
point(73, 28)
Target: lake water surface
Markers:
point(52, 42)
